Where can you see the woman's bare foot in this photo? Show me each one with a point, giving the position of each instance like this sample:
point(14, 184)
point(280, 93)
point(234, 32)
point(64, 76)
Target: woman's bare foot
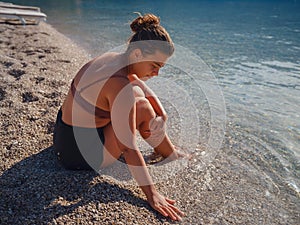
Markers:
point(178, 154)
point(182, 153)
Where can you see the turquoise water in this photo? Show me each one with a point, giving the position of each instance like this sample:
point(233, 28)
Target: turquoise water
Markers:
point(252, 48)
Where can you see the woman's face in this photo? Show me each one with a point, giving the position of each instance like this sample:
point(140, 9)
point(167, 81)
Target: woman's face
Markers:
point(148, 65)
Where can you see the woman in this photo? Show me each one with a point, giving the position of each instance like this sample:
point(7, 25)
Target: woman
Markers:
point(108, 101)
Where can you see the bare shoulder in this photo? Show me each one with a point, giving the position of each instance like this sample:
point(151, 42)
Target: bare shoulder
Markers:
point(106, 57)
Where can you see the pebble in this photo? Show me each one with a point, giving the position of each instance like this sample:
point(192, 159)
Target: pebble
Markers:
point(35, 189)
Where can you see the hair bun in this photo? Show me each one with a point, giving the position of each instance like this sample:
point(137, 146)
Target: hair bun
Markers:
point(146, 22)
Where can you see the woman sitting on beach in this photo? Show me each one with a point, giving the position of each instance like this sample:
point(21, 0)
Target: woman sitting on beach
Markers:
point(108, 101)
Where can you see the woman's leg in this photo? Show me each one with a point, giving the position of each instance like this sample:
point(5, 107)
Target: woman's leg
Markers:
point(111, 150)
point(144, 115)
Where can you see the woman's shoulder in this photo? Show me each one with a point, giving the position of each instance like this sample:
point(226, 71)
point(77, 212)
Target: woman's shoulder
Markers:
point(112, 64)
point(107, 57)
point(99, 68)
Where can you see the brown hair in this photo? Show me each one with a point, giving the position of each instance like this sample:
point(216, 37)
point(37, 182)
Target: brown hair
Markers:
point(147, 28)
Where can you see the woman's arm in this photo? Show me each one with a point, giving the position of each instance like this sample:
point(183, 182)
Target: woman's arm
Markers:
point(123, 117)
point(139, 171)
point(150, 95)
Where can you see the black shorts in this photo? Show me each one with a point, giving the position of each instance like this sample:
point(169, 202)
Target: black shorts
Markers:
point(78, 148)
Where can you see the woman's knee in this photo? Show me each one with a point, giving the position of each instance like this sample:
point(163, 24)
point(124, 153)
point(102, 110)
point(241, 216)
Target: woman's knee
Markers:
point(144, 114)
point(144, 110)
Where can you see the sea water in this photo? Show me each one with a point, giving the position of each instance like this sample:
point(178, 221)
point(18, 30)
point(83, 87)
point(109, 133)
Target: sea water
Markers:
point(251, 47)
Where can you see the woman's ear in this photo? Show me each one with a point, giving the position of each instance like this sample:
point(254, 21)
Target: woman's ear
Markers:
point(137, 53)
point(135, 56)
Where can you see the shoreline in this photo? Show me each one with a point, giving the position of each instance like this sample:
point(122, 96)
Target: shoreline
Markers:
point(37, 65)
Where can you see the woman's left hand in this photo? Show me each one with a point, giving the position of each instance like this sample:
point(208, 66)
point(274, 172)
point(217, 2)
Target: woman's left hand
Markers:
point(165, 206)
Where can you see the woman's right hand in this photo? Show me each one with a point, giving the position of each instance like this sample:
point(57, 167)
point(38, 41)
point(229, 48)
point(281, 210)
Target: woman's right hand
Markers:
point(157, 127)
point(165, 206)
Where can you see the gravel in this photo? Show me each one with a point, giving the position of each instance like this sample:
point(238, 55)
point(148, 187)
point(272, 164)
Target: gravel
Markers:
point(37, 64)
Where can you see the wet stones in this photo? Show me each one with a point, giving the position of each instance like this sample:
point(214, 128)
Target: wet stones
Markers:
point(29, 97)
point(2, 93)
point(52, 95)
point(39, 79)
point(16, 73)
point(50, 127)
point(8, 64)
point(64, 61)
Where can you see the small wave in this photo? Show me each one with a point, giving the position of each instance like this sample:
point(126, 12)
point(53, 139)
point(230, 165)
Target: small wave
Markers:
point(267, 37)
point(284, 42)
point(277, 69)
point(263, 156)
point(237, 59)
point(239, 35)
point(285, 65)
point(296, 47)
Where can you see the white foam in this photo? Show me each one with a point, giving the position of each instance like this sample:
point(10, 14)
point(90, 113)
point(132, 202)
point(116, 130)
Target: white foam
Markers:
point(239, 35)
point(285, 42)
point(267, 37)
point(296, 47)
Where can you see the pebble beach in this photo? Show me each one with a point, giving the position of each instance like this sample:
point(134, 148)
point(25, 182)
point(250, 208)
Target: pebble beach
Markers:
point(37, 64)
